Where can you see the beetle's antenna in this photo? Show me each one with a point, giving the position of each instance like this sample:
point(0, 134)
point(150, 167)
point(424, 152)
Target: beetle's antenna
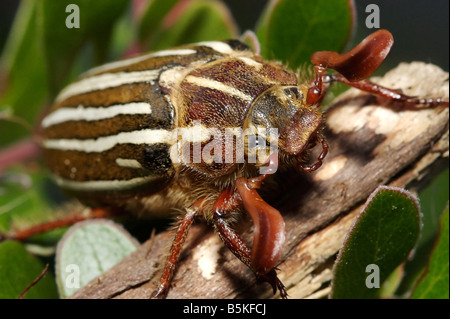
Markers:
point(361, 61)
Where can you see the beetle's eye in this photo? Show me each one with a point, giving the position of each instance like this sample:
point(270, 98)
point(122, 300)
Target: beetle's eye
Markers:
point(261, 142)
point(256, 141)
point(292, 93)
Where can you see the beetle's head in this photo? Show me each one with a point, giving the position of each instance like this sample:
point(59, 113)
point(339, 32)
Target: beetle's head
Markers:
point(285, 109)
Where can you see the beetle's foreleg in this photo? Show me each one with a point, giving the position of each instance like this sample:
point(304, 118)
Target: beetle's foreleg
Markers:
point(180, 236)
point(242, 251)
point(269, 231)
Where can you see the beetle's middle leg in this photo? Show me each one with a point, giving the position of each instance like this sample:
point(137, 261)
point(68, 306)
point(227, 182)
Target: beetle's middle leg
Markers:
point(175, 251)
point(268, 234)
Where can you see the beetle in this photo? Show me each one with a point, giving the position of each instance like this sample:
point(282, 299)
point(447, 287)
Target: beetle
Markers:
point(199, 128)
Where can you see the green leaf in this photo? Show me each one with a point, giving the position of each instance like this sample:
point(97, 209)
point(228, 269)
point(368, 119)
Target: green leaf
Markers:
point(291, 30)
point(21, 64)
point(25, 201)
point(433, 201)
point(151, 19)
point(40, 52)
point(392, 282)
point(380, 239)
point(200, 20)
point(61, 43)
point(18, 269)
point(435, 282)
point(87, 250)
point(62, 39)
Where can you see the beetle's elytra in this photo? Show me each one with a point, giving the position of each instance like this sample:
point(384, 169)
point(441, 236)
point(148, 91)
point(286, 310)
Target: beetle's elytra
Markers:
point(199, 127)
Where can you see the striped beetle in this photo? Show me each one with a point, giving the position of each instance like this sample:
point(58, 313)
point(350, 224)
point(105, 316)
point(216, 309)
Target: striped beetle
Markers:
point(149, 134)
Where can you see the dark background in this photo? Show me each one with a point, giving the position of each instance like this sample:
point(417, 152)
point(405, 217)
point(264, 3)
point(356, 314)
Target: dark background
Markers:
point(420, 27)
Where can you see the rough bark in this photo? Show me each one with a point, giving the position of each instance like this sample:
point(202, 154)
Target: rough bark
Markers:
point(371, 145)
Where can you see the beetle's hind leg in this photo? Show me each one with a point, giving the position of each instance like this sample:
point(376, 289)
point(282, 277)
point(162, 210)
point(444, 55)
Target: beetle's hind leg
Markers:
point(64, 221)
point(268, 235)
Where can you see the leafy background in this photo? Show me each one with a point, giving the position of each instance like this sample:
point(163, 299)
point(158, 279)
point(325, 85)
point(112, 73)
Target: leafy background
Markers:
point(39, 58)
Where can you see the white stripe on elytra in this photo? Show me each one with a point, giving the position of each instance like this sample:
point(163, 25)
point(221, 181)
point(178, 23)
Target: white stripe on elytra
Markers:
point(82, 113)
point(194, 134)
point(218, 46)
point(138, 59)
point(105, 143)
point(251, 62)
point(213, 84)
point(106, 81)
point(106, 185)
point(128, 162)
point(110, 80)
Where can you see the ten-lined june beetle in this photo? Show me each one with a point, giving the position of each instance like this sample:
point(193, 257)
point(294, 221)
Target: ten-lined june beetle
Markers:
point(199, 127)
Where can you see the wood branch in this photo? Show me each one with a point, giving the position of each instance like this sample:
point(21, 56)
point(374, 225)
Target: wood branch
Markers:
point(371, 145)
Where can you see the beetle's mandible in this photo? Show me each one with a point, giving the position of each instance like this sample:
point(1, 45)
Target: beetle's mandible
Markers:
point(199, 128)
